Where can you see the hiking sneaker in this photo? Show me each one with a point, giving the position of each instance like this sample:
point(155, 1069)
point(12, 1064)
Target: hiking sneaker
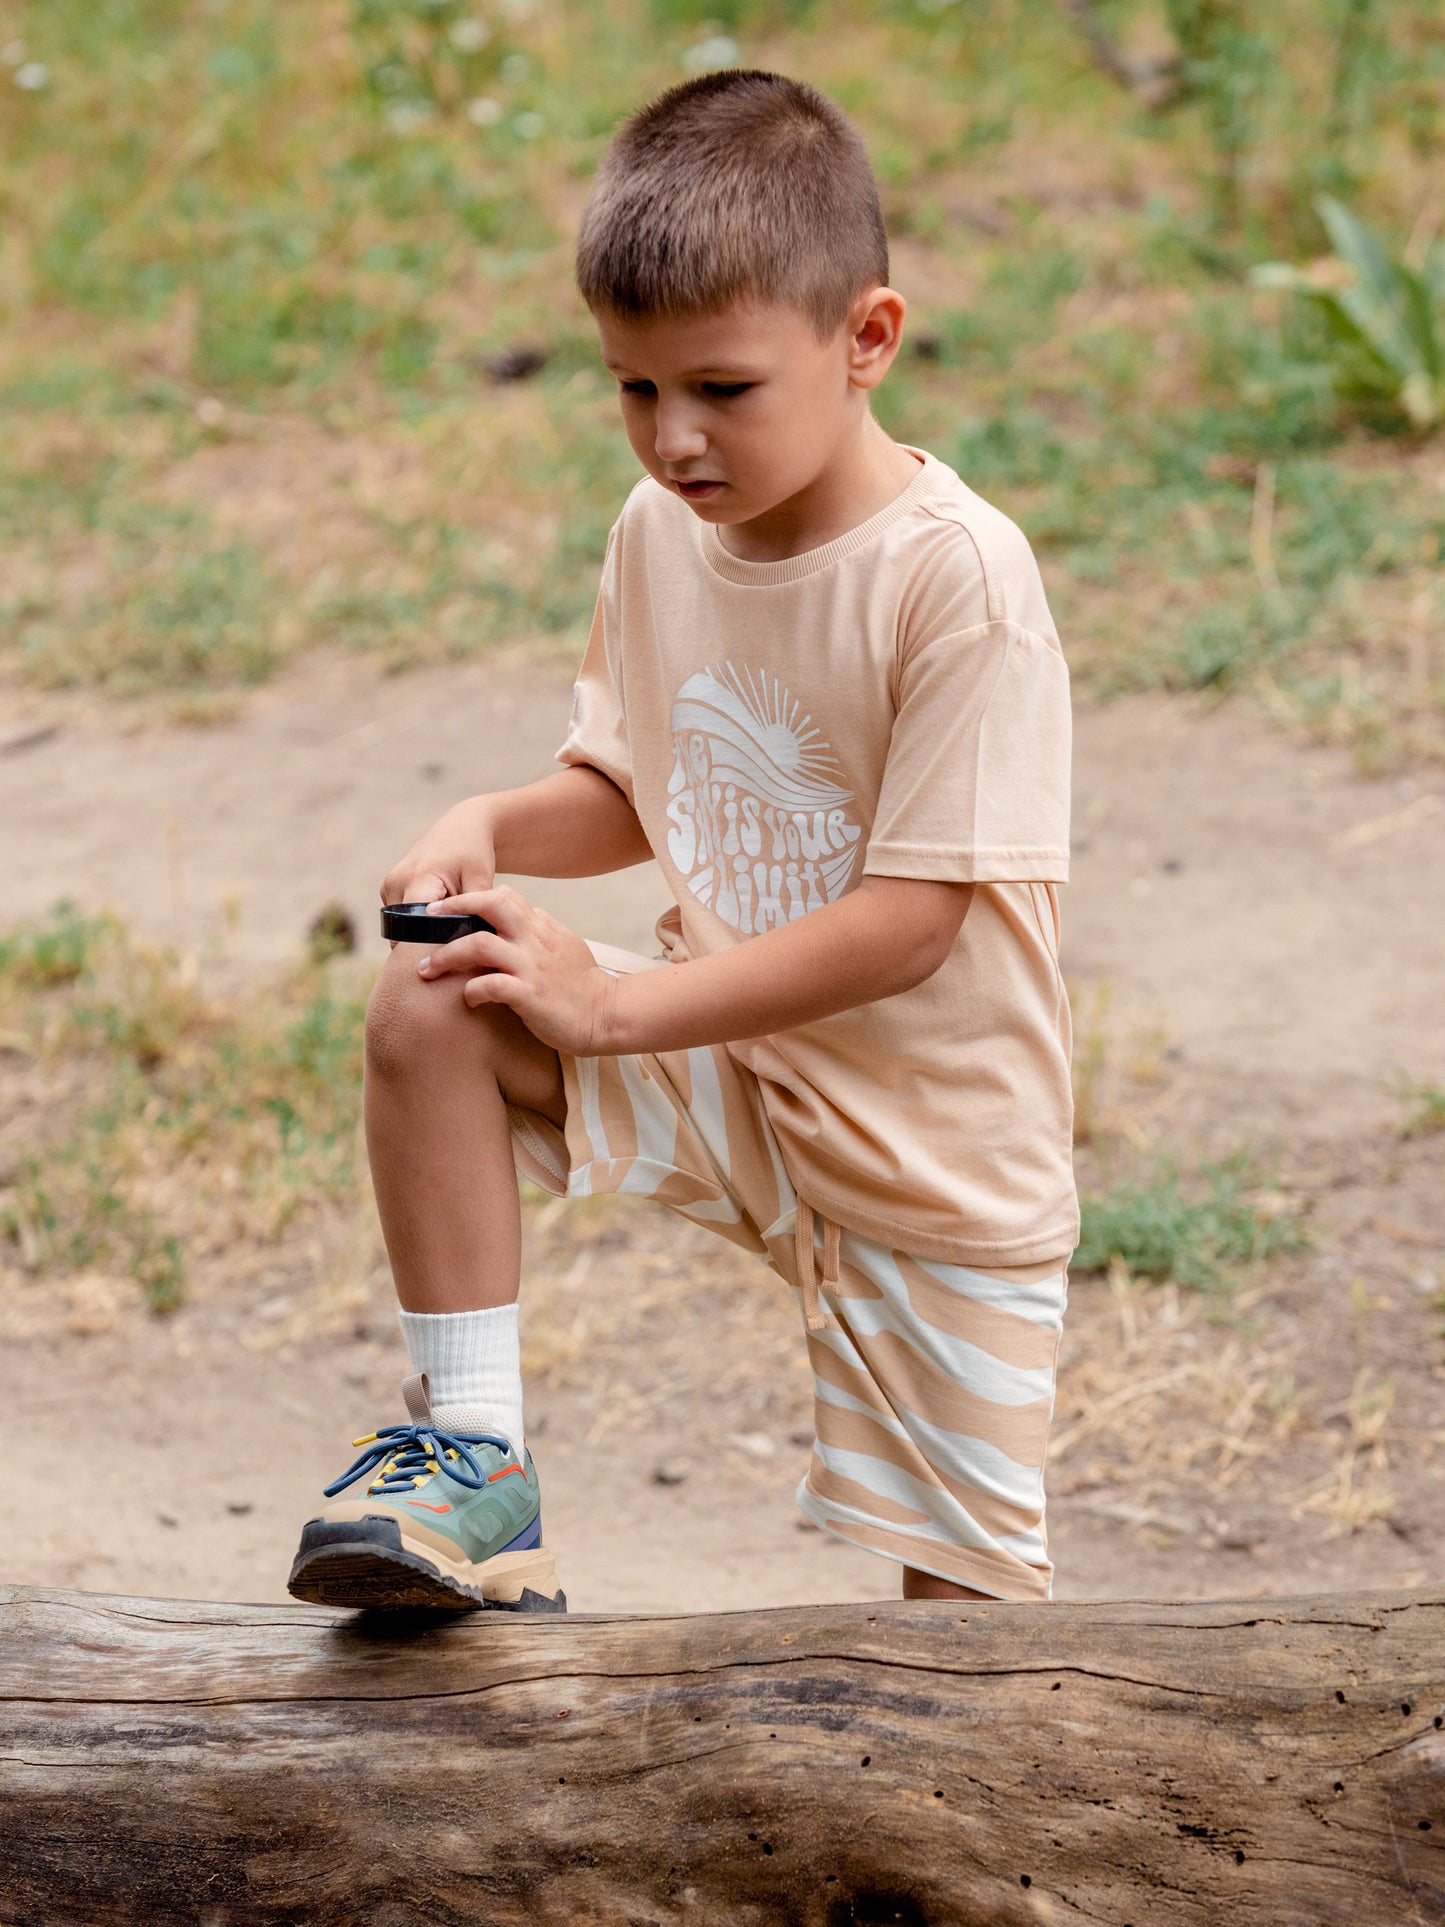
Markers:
point(449, 1520)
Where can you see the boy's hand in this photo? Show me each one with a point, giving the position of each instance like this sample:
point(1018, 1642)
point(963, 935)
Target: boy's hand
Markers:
point(457, 853)
point(575, 823)
point(534, 964)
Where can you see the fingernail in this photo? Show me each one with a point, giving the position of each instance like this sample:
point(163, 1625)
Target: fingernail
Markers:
point(425, 966)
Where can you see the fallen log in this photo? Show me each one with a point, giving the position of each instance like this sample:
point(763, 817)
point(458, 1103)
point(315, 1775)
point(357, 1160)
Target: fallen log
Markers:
point(1258, 1763)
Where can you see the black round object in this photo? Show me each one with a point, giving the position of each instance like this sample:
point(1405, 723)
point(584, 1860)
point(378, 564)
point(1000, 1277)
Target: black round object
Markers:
point(414, 923)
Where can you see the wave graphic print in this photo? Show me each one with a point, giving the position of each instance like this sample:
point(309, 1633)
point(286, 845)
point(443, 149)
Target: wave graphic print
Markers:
point(759, 821)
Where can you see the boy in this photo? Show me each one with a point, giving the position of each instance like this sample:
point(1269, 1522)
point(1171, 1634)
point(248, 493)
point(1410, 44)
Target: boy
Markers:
point(823, 688)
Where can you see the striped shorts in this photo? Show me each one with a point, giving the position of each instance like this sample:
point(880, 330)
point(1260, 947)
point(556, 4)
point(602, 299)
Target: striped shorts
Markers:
point(933, 1385)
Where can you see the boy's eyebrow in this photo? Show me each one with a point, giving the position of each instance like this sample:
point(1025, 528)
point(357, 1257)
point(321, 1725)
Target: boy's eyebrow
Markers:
point(714, 371)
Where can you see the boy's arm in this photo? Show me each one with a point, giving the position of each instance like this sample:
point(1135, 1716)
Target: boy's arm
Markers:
point(574, 824)
point(886, 936)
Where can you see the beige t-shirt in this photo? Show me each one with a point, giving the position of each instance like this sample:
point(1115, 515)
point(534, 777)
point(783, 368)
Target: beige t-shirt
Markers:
point(894, 703)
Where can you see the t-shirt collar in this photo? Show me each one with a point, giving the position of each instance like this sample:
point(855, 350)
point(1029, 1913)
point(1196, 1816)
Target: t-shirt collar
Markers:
point(811, 561)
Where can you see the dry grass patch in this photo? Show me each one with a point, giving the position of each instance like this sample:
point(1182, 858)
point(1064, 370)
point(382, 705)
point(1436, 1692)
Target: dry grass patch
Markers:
point(156, 1126)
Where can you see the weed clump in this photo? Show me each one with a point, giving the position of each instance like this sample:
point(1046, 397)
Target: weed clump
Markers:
point(47, 956)
point(185, 1122)
point(1159, 1228)
point(1425, 1113)
point(1383, 333)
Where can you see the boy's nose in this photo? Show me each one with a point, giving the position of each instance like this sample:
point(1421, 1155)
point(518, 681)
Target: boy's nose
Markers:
point(679, 439)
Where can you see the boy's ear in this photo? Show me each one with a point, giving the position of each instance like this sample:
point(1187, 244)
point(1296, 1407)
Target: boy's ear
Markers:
point(875, 334)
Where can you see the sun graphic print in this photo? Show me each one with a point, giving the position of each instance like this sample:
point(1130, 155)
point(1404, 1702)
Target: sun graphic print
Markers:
point(759, 824)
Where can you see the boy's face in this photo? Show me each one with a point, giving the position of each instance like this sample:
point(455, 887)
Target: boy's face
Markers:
point(739, 411)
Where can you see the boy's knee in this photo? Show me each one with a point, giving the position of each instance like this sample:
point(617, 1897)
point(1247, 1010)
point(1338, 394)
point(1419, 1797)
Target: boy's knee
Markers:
point(409, 1021)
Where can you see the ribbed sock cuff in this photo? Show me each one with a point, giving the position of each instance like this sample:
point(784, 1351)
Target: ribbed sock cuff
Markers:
point(473, 1361)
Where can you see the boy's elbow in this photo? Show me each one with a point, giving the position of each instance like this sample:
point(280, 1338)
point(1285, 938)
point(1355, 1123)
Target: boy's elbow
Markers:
point(927, 956)
point(922, 923)
point(912, 959)
point(935, 929)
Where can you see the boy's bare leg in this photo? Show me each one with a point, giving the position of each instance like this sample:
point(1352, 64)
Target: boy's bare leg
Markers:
point(431, 1528)
point(927, 1585)
point(438, 1079)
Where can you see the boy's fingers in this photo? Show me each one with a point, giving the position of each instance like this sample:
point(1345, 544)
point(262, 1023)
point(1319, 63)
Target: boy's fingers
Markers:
point(426, 888)
point(463, 893)
point(475, 902)
point(495, 988)
point(505, 909)
point(480, 951)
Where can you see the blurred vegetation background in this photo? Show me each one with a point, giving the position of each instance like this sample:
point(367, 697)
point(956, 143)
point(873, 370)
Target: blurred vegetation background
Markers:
point(290, 357)
point(290, 354)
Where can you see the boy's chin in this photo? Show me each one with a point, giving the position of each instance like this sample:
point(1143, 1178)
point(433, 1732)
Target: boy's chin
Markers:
point(725, 510)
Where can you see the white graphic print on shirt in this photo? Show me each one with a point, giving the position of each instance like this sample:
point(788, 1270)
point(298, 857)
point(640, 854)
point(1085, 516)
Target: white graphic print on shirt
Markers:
point(760, 827)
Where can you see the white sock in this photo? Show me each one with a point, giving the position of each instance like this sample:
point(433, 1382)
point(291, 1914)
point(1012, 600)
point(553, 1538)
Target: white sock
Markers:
point(475, 1368)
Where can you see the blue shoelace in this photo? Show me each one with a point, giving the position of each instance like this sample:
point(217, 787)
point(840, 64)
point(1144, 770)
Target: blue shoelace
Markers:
point(416, 1450)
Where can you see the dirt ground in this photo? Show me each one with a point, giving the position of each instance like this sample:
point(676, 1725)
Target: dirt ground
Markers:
point(1254, 937)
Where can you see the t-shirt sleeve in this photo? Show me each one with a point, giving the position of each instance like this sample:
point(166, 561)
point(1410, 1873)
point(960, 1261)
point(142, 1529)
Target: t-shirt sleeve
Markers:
point(976, 783)
point(597, 732)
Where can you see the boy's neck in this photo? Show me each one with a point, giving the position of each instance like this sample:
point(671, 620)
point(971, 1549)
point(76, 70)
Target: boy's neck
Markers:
point(867, 472)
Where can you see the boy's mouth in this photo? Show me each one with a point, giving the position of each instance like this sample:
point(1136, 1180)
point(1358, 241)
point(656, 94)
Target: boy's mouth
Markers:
point(698, 491)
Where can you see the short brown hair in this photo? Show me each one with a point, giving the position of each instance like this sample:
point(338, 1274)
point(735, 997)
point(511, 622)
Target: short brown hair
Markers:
point(735, 185)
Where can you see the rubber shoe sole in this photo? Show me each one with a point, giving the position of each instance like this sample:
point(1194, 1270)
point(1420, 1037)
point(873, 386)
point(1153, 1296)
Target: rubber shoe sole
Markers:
point(367, 1564)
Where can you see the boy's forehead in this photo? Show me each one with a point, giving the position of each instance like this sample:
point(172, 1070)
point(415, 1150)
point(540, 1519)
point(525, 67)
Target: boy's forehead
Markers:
point(709, 342)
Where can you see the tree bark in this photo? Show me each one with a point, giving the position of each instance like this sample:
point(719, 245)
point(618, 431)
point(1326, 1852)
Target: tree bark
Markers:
point(1260, 1763)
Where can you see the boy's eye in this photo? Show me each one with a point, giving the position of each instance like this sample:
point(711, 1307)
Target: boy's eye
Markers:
point(636, 387)
point(725, 390)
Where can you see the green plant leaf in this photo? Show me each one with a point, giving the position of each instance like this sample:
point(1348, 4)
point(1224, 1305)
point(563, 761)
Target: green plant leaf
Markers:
point(1422, 319)
point(1375, 300)
point(1357, 246)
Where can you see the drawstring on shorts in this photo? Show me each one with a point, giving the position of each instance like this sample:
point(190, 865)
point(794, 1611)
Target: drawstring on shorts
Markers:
point(807, 1260)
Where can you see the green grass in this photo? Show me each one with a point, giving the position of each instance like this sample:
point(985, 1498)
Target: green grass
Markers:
point(1196, 1234)
point(184, 1112)
point(255, 260)
point(1425, 1111)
